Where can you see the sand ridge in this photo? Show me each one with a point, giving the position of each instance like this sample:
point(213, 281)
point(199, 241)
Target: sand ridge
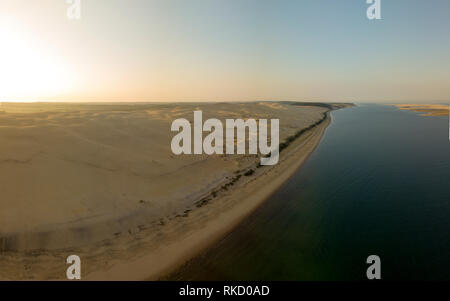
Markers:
point(426, 109)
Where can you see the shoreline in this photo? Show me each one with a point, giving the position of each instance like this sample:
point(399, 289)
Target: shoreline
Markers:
point(209, 230)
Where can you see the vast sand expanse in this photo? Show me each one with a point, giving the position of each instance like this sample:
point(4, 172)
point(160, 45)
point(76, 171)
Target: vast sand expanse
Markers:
point(426, 109)
point(100, 181)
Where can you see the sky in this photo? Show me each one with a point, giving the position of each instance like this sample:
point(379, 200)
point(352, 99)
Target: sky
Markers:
point(225, 50)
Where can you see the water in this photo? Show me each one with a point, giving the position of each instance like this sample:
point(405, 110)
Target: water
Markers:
point(379, 183)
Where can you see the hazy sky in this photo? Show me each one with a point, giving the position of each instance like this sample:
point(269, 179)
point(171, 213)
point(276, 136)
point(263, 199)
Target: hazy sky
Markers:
point(228, 50)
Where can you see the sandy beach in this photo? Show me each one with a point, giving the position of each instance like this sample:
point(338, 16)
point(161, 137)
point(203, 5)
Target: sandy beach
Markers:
point(101, 182)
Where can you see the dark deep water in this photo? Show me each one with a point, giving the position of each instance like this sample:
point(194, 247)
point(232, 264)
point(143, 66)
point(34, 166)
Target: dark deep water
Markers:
point(379, 183)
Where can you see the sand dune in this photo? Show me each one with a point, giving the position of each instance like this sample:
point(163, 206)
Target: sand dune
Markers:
point(100, 181)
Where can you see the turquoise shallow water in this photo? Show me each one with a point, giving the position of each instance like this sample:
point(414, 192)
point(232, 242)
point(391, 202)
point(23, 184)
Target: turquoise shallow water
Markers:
point(378, 183)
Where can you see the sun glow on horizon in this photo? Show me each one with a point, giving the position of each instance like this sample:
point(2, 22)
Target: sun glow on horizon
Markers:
point(28, 70)
point(179, 51)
